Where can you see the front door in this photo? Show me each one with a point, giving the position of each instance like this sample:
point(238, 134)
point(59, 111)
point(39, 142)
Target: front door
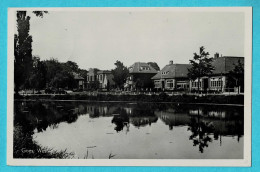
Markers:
point(205, 84)
point(163, 84)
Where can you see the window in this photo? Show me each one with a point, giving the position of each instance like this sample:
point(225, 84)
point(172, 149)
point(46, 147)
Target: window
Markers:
point(144, 68)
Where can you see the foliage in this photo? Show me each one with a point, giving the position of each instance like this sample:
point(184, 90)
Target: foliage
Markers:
point(200, 132)
point(60, 75)
point(154, 65)
point(200, 65)
point(23, 62)
point(71, 66)
point(37, 77)
point(120, 74)
point(25, 147)
point(236, 76)
point(83, 73)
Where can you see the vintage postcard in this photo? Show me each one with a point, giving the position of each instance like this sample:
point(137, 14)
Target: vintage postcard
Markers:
point(129, 86)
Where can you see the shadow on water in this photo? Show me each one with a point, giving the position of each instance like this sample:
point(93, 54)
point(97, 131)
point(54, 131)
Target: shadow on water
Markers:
point(204, 123)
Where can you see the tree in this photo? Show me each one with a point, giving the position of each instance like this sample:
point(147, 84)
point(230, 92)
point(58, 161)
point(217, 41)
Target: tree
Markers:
point(236, 77)
point(83, 73)
point(37, 79)
point(72, 66)
point(200, 66)
point(120, 74)
point(23, 49)
point(154, 65)
point(59, 75)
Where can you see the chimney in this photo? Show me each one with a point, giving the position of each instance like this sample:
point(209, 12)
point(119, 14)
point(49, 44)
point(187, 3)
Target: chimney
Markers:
point(171, 62)
point(216, 55)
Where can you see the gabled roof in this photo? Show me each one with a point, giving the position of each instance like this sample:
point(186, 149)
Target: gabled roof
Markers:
point(77, 76)
point(225, 64)
point(173, 71)
point(104, 72)
point(140, 67)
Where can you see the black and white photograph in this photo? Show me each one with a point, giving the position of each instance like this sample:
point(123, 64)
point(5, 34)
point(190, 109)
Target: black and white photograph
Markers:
point(129, 86)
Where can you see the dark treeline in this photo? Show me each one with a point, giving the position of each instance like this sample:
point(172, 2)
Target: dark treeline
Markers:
point(52, 73)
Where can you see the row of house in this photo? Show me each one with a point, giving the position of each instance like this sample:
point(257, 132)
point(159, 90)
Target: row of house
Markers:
point(175, 76)
point(172, 76)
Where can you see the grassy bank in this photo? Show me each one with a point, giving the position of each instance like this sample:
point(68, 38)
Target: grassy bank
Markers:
point(25, 147)
point(216, 99)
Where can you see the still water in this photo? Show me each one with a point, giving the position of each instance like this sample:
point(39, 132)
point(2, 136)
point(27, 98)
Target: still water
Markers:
point(135, 130)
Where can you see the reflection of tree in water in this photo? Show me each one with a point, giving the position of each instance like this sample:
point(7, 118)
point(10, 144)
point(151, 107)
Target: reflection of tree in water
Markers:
point(120, 119)
point(139, 116)
point(41, 115)
point(200, 132)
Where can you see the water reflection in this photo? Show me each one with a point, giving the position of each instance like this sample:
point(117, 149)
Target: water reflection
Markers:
point(204, 125)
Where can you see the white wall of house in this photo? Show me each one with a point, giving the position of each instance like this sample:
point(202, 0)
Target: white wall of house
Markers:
point(170, 84)
point(216, 83)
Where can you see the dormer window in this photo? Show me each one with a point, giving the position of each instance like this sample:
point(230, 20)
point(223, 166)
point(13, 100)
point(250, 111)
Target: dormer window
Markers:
point(165, 73)
point(144, 68)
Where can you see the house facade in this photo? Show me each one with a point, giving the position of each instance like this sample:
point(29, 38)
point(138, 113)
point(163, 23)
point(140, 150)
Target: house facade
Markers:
point(219, 80)
point(79, 80)
point(105, 79)
point(172, 77)
point(140, 76)
point(92, 82)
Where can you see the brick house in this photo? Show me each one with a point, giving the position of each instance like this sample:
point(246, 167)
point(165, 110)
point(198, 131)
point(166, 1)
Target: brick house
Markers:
point(172, 77)
point(140, 76)
point(218, 80)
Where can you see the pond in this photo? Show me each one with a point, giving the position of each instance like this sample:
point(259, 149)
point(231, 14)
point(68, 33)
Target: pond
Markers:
point(118, 130)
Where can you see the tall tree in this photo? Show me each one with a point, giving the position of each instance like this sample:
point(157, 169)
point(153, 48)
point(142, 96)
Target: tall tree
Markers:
point(23, 49)
point(200, 66)
point(120, 74)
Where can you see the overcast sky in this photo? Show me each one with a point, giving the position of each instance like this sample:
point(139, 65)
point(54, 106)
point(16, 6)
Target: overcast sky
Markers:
point(98, 39)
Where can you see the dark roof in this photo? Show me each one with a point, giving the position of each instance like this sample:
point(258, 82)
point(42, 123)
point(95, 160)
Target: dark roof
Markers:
point(104, 71)
point(77, 76)
point(225, 64)
point(173, 71)
point(140, 67)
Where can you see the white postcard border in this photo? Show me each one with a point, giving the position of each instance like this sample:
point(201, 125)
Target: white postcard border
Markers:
point(135, 162)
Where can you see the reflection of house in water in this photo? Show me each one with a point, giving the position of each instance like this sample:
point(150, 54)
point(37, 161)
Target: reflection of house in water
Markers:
point(195, 112)
point(143, 121)
point(172, 118)
point(223, 123)
point(96, 111)
point(137, 116)
point(211, 113)
point(141, 117)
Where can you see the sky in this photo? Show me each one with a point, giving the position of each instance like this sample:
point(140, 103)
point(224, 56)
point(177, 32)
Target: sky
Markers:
point(96, 39)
